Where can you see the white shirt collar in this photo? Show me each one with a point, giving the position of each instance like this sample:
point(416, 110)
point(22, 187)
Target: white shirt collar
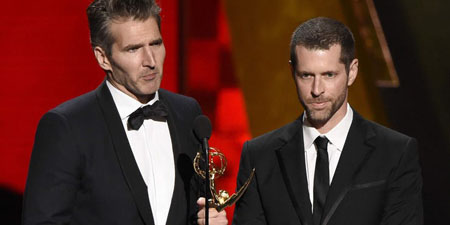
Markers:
point(126, 104)
point(336, 136)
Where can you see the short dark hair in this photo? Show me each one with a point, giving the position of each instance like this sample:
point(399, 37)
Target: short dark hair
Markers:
point(101, 13)
point(322, 33)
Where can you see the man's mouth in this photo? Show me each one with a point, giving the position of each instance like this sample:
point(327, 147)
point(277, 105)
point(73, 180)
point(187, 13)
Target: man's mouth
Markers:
point(150, 76)
point(318, 104)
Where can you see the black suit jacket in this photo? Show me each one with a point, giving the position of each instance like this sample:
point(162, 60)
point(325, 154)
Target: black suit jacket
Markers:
point(82, 169)
point(377, 180)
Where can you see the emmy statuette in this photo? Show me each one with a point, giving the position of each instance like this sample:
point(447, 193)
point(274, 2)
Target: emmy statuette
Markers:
point(217, 166)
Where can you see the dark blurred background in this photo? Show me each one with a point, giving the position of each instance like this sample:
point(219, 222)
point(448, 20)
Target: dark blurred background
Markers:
point(418, 34)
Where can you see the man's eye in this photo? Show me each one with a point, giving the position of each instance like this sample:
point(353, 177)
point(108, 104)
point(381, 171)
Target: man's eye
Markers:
point(131, 50)
point(329, 75)
point(156, 43)
point(305, 75)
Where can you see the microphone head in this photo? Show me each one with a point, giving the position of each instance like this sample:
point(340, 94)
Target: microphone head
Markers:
point(202, 127)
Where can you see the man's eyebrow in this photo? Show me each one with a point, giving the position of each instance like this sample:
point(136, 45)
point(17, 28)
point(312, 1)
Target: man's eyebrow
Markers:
point(156, 41)
point(132, 46)
point(135, 46)
point(304, 72)
point(329, 71)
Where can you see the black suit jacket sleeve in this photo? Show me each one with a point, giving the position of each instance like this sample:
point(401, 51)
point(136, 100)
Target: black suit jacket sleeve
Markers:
point(248, 209)
point(53, 178)
point(404, 199)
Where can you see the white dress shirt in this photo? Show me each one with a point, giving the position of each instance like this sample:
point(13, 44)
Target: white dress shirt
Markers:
point(152, 149)
point(336, 138)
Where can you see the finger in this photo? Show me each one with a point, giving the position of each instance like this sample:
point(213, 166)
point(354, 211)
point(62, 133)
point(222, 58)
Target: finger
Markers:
point(213, 213)
point(201, 206)
point(219, 221)
point(201, 214)
point(223, 213)
point(200, 221)
point(201, 202)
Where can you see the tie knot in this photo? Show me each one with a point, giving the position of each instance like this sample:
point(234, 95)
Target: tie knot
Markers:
point(321, 142)
point(157, 111)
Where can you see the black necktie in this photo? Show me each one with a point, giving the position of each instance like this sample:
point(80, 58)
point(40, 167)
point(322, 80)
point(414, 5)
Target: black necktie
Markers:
point(157, 111)
point(321, 179)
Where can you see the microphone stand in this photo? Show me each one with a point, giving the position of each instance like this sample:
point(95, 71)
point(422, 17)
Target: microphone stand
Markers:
point(202, 129)
point(207, 185)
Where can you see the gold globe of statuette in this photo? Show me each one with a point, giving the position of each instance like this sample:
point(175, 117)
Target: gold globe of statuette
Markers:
point(216, 170)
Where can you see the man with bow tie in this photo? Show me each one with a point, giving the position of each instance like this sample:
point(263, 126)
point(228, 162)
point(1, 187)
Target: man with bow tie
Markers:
point(120, 154)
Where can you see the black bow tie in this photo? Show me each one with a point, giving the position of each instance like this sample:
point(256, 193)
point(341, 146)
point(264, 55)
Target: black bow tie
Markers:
point(157, 111)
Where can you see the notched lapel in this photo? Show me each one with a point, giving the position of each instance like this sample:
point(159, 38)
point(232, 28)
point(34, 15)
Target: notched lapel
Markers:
point(357, 149)
point(291, 159)
point(124, 154)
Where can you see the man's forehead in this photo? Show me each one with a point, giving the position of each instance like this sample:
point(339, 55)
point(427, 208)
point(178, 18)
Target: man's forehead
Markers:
point(310, 59)
point(317, 47)
point(125, 30)
point(132, 23)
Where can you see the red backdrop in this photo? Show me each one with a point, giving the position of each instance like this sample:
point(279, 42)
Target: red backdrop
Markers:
point(46, 59)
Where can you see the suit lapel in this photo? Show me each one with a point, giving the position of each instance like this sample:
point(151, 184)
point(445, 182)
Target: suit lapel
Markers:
point(175, 206)
point(291, 159)
point(356, 151)
point(124, 154)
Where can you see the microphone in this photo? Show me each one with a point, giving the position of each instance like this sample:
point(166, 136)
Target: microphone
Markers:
point(202, 130)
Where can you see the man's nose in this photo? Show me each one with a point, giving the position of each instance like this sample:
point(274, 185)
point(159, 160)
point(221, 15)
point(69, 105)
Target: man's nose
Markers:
point(317, 88)
point(148, 59)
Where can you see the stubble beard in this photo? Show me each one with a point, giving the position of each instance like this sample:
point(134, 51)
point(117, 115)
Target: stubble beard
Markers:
point(135, 88)
point(319, 118)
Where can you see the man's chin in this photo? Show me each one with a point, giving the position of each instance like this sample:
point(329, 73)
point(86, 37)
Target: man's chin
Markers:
point(318, 118)
point(149, 90)
point(148, 93)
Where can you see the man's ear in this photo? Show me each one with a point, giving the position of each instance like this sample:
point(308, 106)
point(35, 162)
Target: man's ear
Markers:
point(291, 66)
point(353, 72)
point(102, 59)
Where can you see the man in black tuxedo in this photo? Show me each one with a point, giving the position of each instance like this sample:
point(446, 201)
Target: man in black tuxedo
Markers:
point(121, 154)
point(330, 166)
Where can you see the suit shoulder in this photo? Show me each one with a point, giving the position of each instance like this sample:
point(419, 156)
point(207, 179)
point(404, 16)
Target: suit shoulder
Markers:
point(76, 107)
point(390, 141)
point(181, 105)
point(388, 133)
point(276, 137)
point(178, 98)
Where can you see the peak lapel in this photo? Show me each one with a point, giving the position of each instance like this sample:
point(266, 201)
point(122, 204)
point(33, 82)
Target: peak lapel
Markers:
point(176, 209)
point(291, 159)
point(356, 151)
point(125, 156)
